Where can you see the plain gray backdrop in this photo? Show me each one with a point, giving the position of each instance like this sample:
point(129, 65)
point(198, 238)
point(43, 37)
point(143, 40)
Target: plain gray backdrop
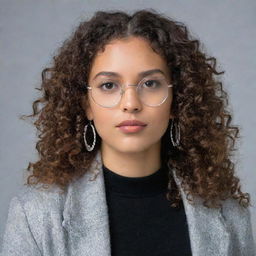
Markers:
point(30, 32)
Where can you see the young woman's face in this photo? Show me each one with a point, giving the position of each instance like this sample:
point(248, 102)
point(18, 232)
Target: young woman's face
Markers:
point(128, 58)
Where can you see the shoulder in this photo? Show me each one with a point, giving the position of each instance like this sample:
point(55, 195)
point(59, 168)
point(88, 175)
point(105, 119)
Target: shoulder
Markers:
point(32, 196)
point(238, 222)
point(36, 201)
point(32, 213)
point(36, 206)
point(232, 211)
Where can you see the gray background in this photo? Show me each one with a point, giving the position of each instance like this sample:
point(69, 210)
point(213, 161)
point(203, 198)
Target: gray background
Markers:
point(30, 32)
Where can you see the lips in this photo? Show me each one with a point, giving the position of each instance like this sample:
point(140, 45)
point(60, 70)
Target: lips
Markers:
point(131, 123)
point(132, 128)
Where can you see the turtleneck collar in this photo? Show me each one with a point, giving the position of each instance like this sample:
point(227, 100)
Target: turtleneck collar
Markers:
point(152, 184)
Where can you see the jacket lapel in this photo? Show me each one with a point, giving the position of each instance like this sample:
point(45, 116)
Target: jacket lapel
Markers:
point(86, 214)
point(85, 217)
point(207, 228)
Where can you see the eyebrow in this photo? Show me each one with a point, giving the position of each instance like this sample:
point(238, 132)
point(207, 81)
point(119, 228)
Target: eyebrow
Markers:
point(141, 74)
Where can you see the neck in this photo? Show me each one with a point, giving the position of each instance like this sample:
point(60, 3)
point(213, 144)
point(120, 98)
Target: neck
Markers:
point(132, 164)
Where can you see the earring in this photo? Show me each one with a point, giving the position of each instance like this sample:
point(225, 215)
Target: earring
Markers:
point(88, 147)
point(177, 133)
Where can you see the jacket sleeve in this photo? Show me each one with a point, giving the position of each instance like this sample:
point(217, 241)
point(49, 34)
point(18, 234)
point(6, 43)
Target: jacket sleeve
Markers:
point(238, 221)
point(18, 239)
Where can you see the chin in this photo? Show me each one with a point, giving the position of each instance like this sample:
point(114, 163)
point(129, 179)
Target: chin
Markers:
point(132, 149)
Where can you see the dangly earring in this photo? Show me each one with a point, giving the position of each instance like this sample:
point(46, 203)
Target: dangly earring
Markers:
point(177, 133)
point(88, 147)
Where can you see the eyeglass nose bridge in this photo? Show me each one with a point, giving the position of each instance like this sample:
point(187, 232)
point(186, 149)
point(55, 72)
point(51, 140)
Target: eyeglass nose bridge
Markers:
point(123, 88)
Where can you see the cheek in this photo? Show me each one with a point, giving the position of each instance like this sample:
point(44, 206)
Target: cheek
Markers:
point(103, 122)
point(163, 112)
point(160, 123)
point(161, 119)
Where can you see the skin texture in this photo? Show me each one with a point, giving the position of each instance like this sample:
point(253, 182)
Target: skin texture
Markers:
point(124, 153)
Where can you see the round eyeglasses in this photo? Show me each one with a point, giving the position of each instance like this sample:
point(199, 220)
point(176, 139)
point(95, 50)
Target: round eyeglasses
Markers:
point(152, 92)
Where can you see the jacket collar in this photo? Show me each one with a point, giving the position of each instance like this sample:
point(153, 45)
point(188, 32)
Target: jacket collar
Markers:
point(85, 217)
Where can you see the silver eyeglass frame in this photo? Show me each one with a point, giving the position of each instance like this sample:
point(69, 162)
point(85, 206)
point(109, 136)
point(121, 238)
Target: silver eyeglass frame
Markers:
point(137, 86)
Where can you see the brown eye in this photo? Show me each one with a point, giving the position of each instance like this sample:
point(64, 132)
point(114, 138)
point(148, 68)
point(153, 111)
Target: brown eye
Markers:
point(151, 84)
point(106, 86)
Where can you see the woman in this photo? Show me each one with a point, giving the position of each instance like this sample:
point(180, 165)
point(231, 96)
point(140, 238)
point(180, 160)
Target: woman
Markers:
point(135, 144)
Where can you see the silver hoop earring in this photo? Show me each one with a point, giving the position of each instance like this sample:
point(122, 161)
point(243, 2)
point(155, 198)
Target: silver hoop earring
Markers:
point(88, 147)
point(177, 133)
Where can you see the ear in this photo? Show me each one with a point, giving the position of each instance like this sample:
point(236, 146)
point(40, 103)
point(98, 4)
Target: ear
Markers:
point(86, 107)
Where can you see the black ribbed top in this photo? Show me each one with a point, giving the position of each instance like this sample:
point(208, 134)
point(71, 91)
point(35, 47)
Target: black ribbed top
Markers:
point(136, 186)
point(142, 222)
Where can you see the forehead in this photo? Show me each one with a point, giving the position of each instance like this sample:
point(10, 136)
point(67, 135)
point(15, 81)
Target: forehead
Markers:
point(128, 57)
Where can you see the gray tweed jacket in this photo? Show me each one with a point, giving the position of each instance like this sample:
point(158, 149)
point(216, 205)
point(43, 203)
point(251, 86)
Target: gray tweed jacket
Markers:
point(76, 223)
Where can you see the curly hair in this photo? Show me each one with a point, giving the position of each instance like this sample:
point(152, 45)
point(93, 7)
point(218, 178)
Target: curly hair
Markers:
point(203, 158)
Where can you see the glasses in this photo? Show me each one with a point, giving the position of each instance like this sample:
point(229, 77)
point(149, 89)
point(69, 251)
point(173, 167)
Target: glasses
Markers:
point(152, 91)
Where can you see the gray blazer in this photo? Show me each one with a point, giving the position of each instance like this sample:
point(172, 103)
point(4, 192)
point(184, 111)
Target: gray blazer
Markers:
point(76, 223)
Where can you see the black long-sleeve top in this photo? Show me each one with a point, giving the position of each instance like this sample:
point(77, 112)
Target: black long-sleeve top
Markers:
point(142, 222)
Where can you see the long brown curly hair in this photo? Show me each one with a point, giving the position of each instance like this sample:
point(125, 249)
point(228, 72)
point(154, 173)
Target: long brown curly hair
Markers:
point(203, 158)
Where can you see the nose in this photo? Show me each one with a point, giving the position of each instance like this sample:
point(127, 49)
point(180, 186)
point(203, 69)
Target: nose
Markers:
point(130, 100)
